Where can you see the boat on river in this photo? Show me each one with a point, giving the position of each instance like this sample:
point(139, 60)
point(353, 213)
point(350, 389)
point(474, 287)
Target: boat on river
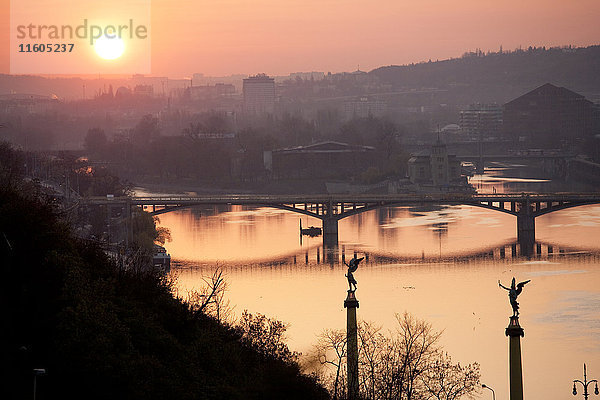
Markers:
point(161, 259)
point(311, 231)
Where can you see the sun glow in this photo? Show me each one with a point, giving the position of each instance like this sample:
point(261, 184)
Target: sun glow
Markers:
point(109, 48)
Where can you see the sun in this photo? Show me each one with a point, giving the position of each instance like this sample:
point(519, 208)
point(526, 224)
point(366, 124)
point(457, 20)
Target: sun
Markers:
point(109, 48)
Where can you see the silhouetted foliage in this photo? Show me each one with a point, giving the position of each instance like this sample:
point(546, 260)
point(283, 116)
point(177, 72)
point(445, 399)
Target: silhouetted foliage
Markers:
point(103, 332)
point(95, 140)
point(145, 130)
point(12, 165)
point(266, 335)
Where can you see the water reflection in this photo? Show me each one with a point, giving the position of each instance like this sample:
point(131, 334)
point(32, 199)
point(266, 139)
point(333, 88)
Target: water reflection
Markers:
point(440, 263)
point(242, 234)
point(507, 177)
point(559, 311)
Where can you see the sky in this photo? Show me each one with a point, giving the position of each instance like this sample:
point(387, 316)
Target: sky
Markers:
point(223, 37)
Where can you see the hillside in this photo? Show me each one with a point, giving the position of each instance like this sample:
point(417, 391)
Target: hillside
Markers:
point(503, 76)
point(103, 332)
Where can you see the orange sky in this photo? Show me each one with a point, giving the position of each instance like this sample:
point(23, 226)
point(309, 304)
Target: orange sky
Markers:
point(220, 37)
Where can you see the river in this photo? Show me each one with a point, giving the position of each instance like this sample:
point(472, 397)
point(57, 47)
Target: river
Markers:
point(441, 264)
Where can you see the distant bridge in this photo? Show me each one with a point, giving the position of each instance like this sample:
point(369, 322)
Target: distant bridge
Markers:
point(332, 208)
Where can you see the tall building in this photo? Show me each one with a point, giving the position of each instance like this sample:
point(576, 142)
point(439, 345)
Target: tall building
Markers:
point(549, 115)
point(481, 119)
point(259, 94)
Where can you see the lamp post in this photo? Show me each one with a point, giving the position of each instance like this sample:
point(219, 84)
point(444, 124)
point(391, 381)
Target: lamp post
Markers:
point(487, 387)
point(585, 384)
point(37, 372)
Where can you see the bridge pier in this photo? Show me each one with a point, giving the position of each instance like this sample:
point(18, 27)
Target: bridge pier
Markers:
point(330, 231)
point(526, 229)
point(480, 166)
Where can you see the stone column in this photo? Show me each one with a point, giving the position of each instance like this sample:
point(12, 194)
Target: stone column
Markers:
point(351, 304)
point(514, 332)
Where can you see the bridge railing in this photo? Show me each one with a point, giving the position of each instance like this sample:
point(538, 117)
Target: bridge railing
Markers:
point(248, 199)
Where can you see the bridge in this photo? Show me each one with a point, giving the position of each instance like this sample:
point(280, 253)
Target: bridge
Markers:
point(332, 208)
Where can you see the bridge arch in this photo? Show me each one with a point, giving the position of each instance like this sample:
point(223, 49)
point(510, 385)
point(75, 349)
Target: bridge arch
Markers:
point(545, 211)
point(365, 207)
point(331, 208)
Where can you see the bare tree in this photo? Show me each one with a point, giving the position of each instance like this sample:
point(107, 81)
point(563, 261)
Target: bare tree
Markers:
point(418, 346)
point(330, 351)
point(210, 299)
point(373, 345)
point(447, 381)
point(404, 364)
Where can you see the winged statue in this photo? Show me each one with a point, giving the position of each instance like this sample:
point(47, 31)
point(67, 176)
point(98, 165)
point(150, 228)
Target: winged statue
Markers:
point(513, 292)
point(352, 267)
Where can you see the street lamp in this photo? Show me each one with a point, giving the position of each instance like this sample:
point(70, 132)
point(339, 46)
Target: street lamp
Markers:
point(487, 387)
point(37, 372)
point(585, 384)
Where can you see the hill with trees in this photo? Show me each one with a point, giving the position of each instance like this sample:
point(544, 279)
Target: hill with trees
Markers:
point(503, 75)
point(102, 331)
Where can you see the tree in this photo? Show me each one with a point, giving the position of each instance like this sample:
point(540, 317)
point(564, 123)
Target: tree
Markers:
point(266, 335)
point(373, 347)
point(210, 299)
point(406, 363)
point(446, 381)
point(145, 232)
point(418, 346)
point(330, 352)
point(95, 141)
point(145, 130)
point(12, 165)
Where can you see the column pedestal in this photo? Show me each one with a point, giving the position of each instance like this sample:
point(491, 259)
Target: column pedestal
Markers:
point(351, 304)
point(515, 332)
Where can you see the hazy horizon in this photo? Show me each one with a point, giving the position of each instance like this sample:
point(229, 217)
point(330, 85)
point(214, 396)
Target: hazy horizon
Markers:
point(232, 37)
point(281, 74)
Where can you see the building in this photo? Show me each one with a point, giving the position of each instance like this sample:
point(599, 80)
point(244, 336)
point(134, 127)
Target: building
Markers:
point(308, 76)
point(363, 108)
point(160, 84)
point(320, 160)
point(434, 166)
point(259, 95)
point(143, 90)
point(18, 103)
point(481, 120)
point(210, 92)
point(549, 116)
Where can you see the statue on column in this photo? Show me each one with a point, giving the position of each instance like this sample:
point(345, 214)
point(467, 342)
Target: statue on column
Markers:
point(352, 267)
point(513, 292)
